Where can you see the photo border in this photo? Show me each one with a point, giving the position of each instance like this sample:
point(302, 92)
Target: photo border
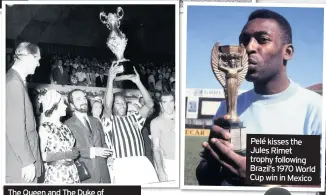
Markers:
point(183, 54)
point(172, 185)
point(199, 1)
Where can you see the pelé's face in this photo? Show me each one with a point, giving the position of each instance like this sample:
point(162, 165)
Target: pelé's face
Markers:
point(120, 106)
point(262, 39)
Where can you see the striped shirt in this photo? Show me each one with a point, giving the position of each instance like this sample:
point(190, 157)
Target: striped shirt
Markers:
point(125, 133)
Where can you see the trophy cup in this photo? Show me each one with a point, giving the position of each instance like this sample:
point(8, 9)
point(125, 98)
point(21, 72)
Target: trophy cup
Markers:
point(230, 65)
point(117, 40)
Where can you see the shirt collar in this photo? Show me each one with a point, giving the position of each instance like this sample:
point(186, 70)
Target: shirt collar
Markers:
point(287, 93)
point(81, 116)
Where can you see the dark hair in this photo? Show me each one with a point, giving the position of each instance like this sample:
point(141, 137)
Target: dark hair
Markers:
point(98, 101)
point(166, 94)
point(278, 191)
point(281, 21)
point(54, 107)
point(91, 107)
point(118, 94)
point(70, 98)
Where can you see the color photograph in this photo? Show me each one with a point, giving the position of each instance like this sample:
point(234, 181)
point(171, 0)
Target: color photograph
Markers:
point(253, 68)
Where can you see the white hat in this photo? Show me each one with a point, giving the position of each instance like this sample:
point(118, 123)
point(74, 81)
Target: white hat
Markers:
point(50, 98)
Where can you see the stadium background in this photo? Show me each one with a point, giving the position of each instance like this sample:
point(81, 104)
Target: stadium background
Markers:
point(201, 105)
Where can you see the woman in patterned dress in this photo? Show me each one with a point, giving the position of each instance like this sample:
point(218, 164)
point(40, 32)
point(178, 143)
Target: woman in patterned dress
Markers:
point(57, 142)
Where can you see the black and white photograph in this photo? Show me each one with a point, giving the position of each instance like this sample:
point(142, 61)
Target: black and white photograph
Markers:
point(91, 93)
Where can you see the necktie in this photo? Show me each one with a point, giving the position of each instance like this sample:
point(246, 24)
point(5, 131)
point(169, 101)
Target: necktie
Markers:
point(88, 125)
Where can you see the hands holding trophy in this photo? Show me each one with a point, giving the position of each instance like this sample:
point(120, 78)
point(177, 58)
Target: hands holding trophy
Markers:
point(230, 65)
point(117, 40)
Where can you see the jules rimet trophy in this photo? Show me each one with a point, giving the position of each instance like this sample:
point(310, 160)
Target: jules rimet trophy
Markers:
point(117, 40)
point(230, 65)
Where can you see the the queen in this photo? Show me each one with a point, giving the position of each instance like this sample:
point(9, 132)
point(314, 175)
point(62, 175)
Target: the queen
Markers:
point(57, 142)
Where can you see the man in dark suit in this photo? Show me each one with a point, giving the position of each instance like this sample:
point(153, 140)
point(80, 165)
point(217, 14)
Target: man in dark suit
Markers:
point(102, 79)
point(23, 158)
point(90, 138)
point(60, 75)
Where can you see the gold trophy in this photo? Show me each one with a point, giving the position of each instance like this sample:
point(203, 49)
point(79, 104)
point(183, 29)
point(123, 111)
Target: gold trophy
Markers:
point(230, 65)
point(117, 40)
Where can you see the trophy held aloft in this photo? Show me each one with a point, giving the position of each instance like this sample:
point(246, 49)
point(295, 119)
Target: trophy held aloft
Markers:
point(117, 40)
point(230, 65)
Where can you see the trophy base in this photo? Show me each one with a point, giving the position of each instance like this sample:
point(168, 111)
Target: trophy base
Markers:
point(238, 135)
point(240, 152)
point(126, 68)
point(227, 124)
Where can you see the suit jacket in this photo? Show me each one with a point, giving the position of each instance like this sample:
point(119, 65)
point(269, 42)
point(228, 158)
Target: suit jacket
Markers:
point(22, 140)
point(60, 78)
point(84, 141)
point(101, 83)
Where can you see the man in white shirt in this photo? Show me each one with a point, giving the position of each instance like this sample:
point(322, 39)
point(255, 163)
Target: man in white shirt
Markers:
point(163, 137)
point(89, 76)
point(276, 105)
point(90, 139)
point(81, 76)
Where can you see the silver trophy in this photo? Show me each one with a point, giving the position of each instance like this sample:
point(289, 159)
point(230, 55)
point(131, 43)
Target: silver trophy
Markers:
point(117, 40)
